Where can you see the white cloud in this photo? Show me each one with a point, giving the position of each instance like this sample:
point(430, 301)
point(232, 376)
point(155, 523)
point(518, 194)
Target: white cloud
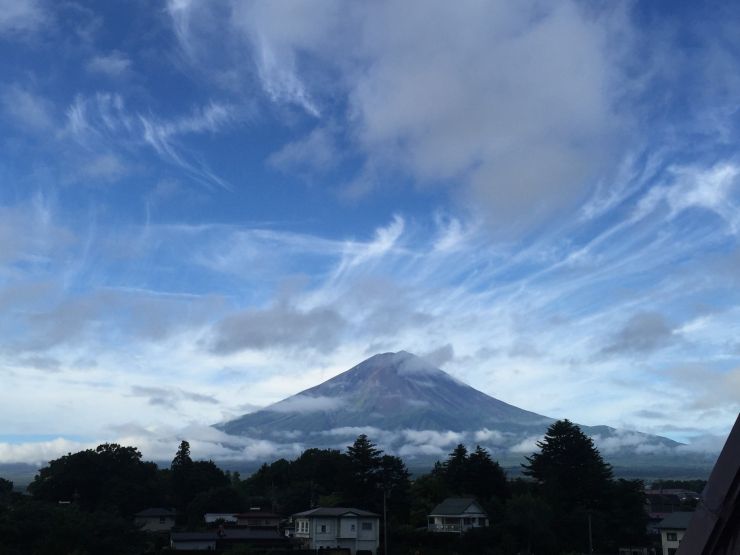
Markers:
point(307, 403)
point(526, 446)
point(461, 94)
point(314, 153)
point(433, 438)
point(18, 16)
point(27, 109)
point(104, 167)
point(114, 64)
point(486, 435)
point(39, 452)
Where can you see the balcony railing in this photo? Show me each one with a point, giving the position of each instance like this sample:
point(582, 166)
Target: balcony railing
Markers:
point(444, 528)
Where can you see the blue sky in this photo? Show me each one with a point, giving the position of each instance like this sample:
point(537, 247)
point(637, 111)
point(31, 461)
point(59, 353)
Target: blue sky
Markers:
point(206, 207)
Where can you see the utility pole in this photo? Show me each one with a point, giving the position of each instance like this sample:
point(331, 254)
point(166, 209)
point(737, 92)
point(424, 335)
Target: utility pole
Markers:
point(385, 526)
point(590, 538)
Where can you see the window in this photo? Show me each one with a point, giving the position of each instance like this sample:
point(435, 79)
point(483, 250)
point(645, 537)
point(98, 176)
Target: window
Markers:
point(323, 528)
point(367, 525)
point(671, 536)
point(351, 527)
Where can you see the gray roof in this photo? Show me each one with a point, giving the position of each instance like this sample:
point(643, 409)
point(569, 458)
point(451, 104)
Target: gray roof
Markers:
point(226, 534)
point(676, 521)
point(454, 506)
point(335, 511)
point(156, 512)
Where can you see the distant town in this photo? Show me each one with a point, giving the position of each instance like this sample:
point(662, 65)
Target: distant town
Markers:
point(361, 502)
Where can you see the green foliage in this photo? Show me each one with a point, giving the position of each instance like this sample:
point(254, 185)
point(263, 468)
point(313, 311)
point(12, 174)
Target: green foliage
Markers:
point(109, 478)
point(6, 491)
point(362, 480)
point(292, 486)
point(528, 525)
point(548, 513)
point(41, 528)
point(569, 468)
point(575, 481)
point(191, 478)
point(475, 474)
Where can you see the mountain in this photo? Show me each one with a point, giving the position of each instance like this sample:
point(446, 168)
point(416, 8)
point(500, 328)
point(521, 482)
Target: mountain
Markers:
point(420, 412)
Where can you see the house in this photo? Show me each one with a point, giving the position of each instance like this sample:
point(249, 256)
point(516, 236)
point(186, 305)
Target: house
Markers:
point(223, 538)
point(457, 515)
point(343, 527)
point(715, 526)
point(214, 519)
point(155, 519)
point(257, 518)
point(672, 528)
point(254, 518)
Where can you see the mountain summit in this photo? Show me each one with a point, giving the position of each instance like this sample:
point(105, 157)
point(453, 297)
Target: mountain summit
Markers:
point(416, 410)
point(390, 391)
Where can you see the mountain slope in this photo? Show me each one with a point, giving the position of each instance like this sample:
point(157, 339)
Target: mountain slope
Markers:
point(394, 391)
point(418, 411)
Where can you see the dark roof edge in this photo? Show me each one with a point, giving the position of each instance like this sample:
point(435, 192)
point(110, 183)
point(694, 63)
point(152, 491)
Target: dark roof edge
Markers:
point(709, 526)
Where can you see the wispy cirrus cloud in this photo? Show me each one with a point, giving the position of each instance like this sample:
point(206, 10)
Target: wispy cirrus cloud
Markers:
point(104, 122)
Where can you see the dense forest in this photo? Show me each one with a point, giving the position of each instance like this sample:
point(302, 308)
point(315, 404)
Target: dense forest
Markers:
point(567, 484)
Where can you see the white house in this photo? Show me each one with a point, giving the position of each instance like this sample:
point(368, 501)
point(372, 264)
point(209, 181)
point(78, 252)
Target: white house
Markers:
point(457, 515)
point(344, 527)
point(672, 528)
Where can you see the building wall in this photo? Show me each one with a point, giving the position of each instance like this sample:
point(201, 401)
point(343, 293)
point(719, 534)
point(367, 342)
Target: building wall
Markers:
point(338, 532)
point(372, 533)
point(155, 524)
point(670, 547)
point(348, 527)
point(204, 545)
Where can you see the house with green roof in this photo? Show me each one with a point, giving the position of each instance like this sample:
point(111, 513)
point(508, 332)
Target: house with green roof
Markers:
point(457, 515)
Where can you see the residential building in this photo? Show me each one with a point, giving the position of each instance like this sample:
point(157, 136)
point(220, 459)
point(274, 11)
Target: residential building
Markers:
point(457, 515)
point(672, 529)
point(254, 518)
point(257, 518)
point(343, 527)
point(223, 538)
point(214, 519)
point(155, 519)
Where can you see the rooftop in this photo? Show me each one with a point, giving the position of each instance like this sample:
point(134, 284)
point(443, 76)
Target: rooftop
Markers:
point(454, 506)
point(335, 511)
point(676, 521)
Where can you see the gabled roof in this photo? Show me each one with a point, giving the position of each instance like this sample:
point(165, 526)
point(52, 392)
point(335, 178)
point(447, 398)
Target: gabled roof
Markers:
point(335, 512)
point(456, 506)
point(156, 512)
point(676, 521)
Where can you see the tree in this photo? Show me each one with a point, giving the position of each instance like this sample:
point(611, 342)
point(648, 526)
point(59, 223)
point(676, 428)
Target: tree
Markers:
point(486, 478)
point(189, 478)
point(456, 470)
point(395, 483)
point(528, 525)
point(6, 490)
point(574, 480)
point(569, 467)
point(110, 477)
point(362, 481)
